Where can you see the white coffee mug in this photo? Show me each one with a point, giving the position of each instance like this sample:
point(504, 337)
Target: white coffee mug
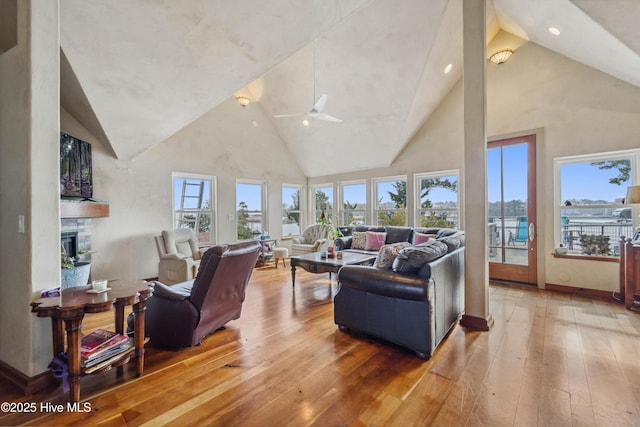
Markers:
point(99, 285)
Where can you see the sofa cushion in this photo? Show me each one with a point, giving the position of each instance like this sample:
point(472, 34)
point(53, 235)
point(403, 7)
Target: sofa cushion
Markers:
point(374, 240)
point(398, 234)
point(419, 238)
point(411, 259)
point(359, 239)
point(453, 241)
point(388, 254)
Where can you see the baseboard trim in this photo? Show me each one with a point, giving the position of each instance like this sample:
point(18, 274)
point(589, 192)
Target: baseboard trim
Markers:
point(593, 293)
point(26, 384)
point(477, 323)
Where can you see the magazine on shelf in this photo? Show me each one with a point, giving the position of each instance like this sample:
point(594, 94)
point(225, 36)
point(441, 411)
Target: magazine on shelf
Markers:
point(99, 341)
point(107, 354)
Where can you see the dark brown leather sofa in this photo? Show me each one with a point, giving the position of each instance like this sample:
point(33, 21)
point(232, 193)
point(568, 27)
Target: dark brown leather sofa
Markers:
point(181, 315)
point(415, 308)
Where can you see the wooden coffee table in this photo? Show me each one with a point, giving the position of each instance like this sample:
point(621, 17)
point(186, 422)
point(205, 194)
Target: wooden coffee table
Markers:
point(313, 263)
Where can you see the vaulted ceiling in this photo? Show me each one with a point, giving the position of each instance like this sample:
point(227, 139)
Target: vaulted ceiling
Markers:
point(135, 73)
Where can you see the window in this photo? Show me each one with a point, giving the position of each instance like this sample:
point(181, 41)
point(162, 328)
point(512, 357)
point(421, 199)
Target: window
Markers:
point(354, 203)
point(192, 204)
point(323, 202)
point(590, 195)
point(437, 199)
point(251, 214)
point(291, 210)
point(391, 201)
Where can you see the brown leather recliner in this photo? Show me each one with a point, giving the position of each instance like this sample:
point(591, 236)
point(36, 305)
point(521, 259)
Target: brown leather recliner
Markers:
point(181, 315)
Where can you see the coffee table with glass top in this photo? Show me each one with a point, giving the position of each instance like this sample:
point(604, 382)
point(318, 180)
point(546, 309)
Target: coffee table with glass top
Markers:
point(314, 263)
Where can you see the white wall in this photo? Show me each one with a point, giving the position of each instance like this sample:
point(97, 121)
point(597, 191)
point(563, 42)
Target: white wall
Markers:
point(29, 82)
point(223, 143)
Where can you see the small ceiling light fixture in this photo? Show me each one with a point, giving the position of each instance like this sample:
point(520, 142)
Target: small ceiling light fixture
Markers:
point(501, 56)
point(448, 68)
point(554, 31)
point(305, 123)
point(243, 100)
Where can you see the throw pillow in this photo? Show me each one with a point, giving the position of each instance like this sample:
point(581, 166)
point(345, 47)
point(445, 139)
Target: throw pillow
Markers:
point(358, 239)
point(410, 260)
point(422, 238)
point(388, 254)
point(453, 241)
point(374, 240)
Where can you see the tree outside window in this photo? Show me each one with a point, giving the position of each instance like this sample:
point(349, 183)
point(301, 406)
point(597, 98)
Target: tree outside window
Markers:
point(437, 200)
point(592, 210)
point(391, 201)
point(192, 204)
point(291, 210)
point(251, 212)
point(323, 202)
point(354, 203)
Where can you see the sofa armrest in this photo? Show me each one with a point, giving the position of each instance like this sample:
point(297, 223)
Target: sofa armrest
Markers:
point(385, 282)
point(318, 243)
point(343, 243)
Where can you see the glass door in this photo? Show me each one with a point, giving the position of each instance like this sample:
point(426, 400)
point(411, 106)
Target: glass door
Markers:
point(512, 209)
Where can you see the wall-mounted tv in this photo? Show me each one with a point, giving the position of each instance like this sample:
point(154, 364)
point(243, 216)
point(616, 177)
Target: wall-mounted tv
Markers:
point(76, 175)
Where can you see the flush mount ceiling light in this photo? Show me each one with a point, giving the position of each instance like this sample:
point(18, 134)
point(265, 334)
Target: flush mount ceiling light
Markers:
point(243, 100)
point(554, 31)
point(501, 56)
point(448, 68)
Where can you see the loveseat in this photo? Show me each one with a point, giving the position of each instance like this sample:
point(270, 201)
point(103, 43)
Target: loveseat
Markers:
point(412, 296)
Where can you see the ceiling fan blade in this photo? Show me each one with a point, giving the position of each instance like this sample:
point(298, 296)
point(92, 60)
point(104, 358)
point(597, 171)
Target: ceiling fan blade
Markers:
point(328, 117)
point(279, 116)
point(320, 103)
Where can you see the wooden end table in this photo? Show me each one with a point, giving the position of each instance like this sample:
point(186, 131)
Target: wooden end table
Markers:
point(313, 263)
point(71, 306)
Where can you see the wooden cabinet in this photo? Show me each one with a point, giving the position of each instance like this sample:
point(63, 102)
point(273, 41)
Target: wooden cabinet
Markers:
point(629, 272)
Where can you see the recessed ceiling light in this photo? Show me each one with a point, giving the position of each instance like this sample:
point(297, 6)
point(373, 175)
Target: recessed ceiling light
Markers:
point(305, 122)
point(448, 68)
point(554, 31)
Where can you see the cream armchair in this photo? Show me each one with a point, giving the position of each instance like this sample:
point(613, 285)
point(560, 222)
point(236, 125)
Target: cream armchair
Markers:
point(312, 239)
point(179, 256)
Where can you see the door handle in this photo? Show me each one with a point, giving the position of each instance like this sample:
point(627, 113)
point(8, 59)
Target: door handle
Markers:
point(532, 232)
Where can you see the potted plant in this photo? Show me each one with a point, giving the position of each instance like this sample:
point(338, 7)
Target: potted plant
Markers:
point(73, 273)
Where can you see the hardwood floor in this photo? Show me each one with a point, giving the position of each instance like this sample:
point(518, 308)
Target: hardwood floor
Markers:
point(550, 360)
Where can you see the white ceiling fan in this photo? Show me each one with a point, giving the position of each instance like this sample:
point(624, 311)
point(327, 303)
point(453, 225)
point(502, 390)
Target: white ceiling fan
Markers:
point(316, 112)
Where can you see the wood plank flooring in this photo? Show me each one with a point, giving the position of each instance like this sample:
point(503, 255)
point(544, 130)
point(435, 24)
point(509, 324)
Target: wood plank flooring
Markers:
point(550, 360)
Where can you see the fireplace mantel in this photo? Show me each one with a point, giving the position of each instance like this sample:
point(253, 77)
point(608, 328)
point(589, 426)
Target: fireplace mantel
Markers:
point(83, 209)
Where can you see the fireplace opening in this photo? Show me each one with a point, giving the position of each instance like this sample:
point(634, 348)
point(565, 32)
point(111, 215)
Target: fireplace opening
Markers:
point(69, 241)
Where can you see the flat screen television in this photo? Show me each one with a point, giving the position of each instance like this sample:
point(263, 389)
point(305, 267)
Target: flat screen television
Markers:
point(76, 174)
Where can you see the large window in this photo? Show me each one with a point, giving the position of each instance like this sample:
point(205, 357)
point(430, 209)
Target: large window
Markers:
point(291, 218)
point(354, 203)
point(591, 189)
point(251, 208)
point(391, 201)
point(437, 199)
point(323, 202)
point(193, 206)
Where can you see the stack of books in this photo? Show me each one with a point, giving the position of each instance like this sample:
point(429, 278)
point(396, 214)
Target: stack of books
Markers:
point(101, 345)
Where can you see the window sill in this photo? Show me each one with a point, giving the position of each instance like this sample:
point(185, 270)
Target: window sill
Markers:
point(587, 257)
point(289, 237)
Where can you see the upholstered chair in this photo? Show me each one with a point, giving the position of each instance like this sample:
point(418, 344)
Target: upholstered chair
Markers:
point(312, 239)
point(179, 255)
point(181, 315)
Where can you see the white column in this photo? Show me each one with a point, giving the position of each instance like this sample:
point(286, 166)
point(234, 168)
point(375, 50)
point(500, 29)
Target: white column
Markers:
point(475, 167)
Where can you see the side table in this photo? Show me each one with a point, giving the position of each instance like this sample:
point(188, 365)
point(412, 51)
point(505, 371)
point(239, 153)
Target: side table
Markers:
point(70, 308)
